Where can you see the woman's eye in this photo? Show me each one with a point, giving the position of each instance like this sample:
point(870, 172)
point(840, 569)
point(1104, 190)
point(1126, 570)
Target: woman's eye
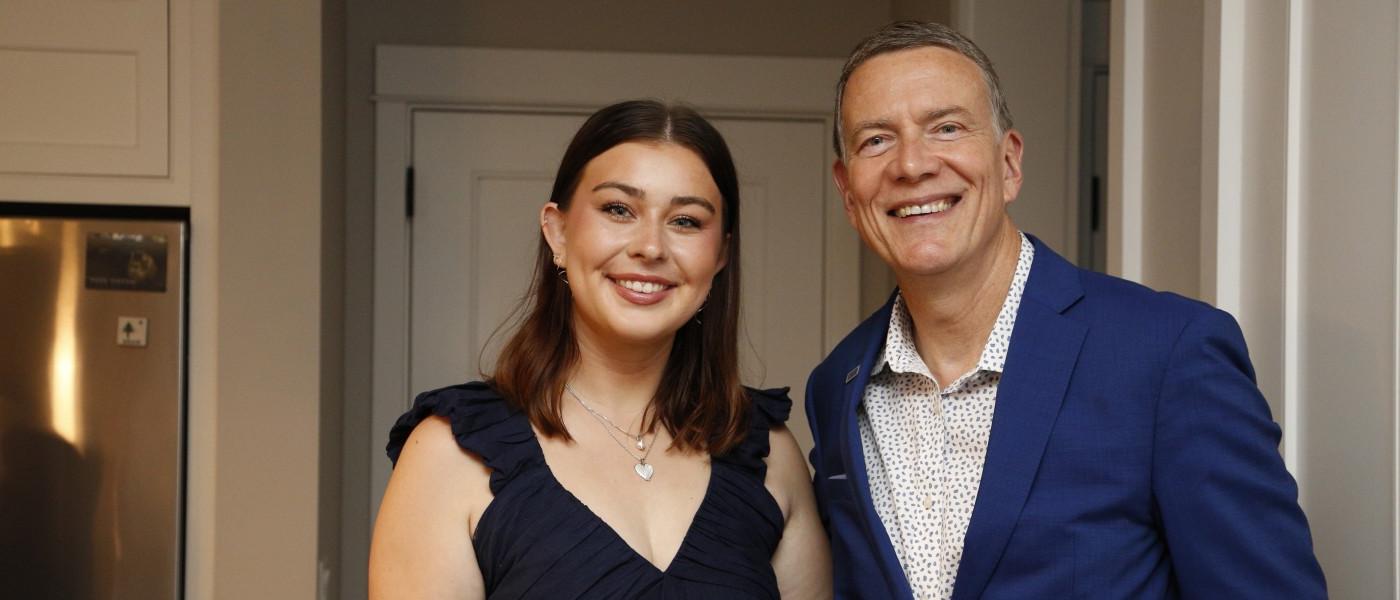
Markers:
point(617, 210)
point(687, 222)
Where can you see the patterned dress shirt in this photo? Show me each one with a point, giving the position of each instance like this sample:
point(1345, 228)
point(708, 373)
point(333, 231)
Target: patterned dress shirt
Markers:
point(925, 444)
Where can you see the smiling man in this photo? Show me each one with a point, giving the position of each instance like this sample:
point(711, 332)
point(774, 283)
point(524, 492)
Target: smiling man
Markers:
point(1011, 426)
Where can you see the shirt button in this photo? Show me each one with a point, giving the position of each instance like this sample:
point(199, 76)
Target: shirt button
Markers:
point(928, 501)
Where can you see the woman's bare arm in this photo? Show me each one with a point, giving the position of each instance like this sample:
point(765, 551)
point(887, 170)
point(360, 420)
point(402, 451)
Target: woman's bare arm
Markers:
point(803, 560)
point(422, 547)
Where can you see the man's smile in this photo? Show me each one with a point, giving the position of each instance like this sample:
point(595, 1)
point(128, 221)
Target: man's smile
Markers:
point(925, 207)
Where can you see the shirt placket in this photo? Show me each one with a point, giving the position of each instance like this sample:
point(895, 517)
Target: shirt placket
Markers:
point(930, 508)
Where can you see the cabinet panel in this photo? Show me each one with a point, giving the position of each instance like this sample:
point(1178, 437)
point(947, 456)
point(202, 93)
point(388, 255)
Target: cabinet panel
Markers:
point(87, 87)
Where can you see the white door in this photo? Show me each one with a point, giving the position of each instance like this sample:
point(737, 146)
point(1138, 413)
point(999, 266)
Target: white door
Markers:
point(480, 179)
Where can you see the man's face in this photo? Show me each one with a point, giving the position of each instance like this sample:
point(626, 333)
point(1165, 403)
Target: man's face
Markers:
point(925, 179)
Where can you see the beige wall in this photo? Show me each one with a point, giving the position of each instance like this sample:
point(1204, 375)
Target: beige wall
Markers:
point(1172, 137)
point(269, 300)
point(1034, 46)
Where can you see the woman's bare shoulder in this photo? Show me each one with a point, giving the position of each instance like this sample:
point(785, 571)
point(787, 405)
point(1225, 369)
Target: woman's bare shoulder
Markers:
point(435, 465)
point(787, 468)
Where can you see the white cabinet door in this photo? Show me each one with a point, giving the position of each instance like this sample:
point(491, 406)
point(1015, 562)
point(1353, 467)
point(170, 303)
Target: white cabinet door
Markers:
point(480, 180)
point(84, 87)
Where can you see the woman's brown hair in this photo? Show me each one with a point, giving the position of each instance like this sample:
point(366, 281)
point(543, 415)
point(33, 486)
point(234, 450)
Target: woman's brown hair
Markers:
point(699, 401)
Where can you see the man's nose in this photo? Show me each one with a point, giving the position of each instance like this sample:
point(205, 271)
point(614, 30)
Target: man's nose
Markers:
point(648, 241)
point(916, 160)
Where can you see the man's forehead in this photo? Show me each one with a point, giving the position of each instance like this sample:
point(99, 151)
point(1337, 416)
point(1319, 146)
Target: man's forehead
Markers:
point(930, 74)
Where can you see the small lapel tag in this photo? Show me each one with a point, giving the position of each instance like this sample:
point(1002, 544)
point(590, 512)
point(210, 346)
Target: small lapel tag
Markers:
point(852, 373)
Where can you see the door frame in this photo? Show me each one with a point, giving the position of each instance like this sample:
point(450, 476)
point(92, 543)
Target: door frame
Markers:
point(413, 78)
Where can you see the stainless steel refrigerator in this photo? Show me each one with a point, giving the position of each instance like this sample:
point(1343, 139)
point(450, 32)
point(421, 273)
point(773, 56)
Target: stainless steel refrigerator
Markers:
point(92, 347)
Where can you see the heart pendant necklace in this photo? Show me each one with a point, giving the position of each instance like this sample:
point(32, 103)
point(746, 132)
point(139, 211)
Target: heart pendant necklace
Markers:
point(643, 468)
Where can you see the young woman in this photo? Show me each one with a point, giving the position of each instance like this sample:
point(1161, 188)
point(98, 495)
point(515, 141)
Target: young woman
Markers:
point(613, 452)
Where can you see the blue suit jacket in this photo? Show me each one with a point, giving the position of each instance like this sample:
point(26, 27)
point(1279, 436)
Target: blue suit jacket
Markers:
point(1131, 456)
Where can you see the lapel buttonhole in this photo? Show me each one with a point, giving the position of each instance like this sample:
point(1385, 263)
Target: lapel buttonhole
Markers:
point(852, 373)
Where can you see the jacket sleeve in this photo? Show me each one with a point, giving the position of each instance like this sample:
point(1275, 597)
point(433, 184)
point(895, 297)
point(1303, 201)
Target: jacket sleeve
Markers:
point(1228, 507)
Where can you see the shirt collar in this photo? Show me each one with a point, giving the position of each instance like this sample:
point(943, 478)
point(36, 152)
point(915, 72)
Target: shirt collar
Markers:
point(900, 354)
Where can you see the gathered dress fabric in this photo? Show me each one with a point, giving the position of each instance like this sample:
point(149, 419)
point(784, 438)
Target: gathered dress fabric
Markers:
point(537, 540)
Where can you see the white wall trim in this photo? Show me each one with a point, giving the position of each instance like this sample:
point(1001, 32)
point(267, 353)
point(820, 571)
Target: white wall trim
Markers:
point(1229, 166)
point(1292, 249)
point(413, 77)
point(1125, 138)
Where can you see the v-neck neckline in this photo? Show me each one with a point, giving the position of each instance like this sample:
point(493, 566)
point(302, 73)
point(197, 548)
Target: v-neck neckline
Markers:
point(612, 531)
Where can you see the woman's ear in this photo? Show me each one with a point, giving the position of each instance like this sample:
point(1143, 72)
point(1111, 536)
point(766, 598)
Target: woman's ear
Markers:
point(552, 226)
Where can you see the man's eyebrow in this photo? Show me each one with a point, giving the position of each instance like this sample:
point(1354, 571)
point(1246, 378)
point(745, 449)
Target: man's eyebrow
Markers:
point(871, 124)
point(946, 111)
point(693, 200)
point(622, 187)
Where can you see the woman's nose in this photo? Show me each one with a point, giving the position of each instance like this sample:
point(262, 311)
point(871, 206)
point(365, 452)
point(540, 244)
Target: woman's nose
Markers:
point(649, 242)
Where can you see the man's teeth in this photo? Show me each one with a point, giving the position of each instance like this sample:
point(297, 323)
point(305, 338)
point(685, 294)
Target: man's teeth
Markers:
point(643, 287)
point(936, 206)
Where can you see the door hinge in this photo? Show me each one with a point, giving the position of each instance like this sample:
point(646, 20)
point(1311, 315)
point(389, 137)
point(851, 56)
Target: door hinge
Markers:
point(408, 193)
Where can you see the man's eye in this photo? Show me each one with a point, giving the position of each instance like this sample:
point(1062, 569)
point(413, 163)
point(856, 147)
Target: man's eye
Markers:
point(874, 141)
point(948, 128)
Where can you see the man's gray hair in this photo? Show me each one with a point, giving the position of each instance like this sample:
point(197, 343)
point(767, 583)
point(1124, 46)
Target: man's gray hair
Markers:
point(906, 35)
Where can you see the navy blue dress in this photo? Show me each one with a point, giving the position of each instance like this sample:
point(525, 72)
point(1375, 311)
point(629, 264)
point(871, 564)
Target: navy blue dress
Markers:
point(536, 540)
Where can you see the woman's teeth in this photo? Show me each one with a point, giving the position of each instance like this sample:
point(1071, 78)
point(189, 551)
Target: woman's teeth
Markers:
point(642, 287)
point(936, 206)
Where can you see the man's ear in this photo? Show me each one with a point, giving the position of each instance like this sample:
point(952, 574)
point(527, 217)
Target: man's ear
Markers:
point(1011, 148)
point(843, 184)
point(552, 226)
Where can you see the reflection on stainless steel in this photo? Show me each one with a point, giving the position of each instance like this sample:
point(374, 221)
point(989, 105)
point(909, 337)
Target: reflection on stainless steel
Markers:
point(63, 367)
point(91, 447)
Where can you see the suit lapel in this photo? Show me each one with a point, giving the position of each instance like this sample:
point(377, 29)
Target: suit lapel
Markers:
point(1043, 351)
point(856, 377)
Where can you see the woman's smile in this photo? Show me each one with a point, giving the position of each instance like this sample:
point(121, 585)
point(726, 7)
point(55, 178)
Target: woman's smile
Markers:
point(642, 289)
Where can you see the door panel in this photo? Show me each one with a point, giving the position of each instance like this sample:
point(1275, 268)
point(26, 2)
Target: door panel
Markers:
point(481, 178)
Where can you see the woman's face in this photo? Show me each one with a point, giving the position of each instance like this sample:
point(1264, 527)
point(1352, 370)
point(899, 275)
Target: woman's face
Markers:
point(641, 241)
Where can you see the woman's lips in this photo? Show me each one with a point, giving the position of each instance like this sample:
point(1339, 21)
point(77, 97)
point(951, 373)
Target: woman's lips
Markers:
point(642, 290)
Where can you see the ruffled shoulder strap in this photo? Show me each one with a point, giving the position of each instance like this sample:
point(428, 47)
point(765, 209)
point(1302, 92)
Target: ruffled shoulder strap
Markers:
point(483, 422)
point(769, 408)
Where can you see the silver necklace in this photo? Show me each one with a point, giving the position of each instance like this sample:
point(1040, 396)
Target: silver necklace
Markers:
point(643, 469)
point(641, 445)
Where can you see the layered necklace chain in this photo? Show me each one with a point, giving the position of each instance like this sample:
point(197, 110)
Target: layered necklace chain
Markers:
point(642, 468)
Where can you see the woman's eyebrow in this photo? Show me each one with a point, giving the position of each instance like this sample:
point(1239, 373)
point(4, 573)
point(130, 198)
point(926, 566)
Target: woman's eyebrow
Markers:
point(693, 200)
point(630, 190)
